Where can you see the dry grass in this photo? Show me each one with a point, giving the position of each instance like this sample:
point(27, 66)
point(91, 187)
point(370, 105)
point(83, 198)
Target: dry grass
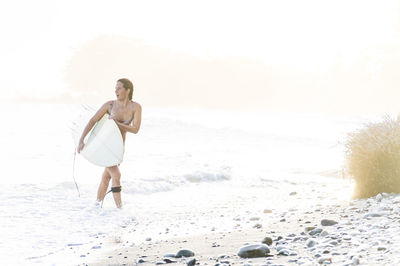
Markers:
point(373, 158)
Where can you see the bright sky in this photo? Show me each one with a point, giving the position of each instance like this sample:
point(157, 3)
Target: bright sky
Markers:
point(37, 36)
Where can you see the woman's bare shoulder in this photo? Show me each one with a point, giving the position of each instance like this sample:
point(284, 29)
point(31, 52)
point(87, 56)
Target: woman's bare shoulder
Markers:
point(108, 104)
point(136, 106)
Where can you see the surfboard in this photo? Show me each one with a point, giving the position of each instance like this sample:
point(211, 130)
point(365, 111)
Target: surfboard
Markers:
point(104, 145)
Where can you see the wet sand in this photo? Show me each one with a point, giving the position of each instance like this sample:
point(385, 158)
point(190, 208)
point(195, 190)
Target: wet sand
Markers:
point(320, 230)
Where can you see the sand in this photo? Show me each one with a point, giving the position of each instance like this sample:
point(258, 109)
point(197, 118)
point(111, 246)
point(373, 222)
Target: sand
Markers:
point(363, 232)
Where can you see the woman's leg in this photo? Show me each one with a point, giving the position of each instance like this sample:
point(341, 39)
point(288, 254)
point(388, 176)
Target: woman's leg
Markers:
point(115, 176)
point(105, 180)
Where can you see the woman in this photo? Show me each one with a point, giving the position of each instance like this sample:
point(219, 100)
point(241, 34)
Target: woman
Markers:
point(127, 114)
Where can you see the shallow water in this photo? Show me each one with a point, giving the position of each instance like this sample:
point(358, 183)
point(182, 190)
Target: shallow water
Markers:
point(177, 151)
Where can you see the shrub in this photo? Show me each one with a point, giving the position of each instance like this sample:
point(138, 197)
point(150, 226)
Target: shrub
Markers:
point(373, 158)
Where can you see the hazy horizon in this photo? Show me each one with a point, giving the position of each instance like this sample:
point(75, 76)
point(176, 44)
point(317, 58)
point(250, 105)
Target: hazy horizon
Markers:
point(335, 57)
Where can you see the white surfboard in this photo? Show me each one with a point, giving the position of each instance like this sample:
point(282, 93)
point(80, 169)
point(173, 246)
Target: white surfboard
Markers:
point(104, 146)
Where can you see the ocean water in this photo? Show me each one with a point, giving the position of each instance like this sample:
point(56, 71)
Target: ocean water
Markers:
point(177, 152)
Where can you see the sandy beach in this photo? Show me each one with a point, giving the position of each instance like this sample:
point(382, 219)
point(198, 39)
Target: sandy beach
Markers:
point(316, 227)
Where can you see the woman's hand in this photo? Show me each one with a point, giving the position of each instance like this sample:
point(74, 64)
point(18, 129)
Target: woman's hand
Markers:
point(121, 127)
point(112, 116)
point(80, 146)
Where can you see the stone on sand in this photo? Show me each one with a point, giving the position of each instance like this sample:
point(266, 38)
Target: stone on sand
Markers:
point(253, 251)
point(327, 222)
point(267, 240)
point(184, 253)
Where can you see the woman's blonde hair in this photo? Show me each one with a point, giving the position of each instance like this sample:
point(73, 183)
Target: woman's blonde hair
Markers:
point(128, 86)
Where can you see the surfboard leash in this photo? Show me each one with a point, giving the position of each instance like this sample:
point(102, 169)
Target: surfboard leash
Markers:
point(113, 190)
point(73, 174)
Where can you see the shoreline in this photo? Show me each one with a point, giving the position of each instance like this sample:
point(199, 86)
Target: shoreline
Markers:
point(362, 232)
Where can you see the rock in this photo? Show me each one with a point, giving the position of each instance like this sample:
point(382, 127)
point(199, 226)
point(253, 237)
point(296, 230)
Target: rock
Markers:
point(373, 214)
point(267, 240)
point(169, 260)
point(96, 247)
point(169, 255)
point(222, 256)
point(140, 261)
point(355, 260)
point(327, 222)
point(381, 248)
point(375, 243)
point(254, 218)
point(267, 211)
point(333, 243)
point(284, 252)
point(293, 193)
point(325, 260)
point(278, 248)
point(281, 242)
point(184, 253)
point(148, 239)
point(302, 238)
point(311, 242)
point(315, 231)
point(379, 197)
point(324, 233)
point(258, 226)
point(309, 228)
point(191, 262)
point(253, 251)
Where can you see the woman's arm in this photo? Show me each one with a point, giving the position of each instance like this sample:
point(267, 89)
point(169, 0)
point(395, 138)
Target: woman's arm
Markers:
point(135, 125)
point(97, 116)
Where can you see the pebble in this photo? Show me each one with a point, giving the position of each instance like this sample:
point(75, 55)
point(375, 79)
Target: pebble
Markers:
point(284, 252)
point(325, 260)
point(311, 242)
point(355, 260)
point(253, 251)
point(267, 240)
point(309, 228)
point(374, 214)
point(327, 222)
point(191, 262)
point(324, 233)
point(169, 260)
point(184, 253)
point(258, 226)
point(315, 231)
